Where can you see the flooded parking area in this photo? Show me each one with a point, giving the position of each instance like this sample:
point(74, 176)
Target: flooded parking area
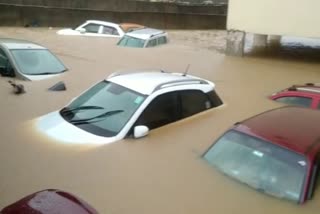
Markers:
point(163, 172)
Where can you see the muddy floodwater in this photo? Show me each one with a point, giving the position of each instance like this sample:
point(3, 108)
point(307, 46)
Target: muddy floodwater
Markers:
point(163, 172)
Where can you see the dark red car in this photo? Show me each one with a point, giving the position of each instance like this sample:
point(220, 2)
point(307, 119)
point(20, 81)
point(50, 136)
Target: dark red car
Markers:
point(49, 202)
point(276, 152)
point(307, 95)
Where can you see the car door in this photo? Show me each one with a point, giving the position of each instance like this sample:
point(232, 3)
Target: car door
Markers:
point(162, 110)
point(297, 99)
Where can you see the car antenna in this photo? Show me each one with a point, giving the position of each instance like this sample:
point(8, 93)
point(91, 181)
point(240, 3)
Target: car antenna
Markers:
point(186, 71)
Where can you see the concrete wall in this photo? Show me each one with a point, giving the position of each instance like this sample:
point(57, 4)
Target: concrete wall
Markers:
point(274, 17)
point(70, 13)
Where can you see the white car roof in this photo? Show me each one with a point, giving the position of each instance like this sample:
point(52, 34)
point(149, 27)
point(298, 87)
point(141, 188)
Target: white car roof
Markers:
point(145, 33)
point(148, 82)
point(19, 44)
point(102, 23)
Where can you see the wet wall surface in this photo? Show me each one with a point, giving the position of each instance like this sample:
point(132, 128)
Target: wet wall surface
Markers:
point(163, 172)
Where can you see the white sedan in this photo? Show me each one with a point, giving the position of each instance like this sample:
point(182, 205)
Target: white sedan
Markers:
point(100, 28)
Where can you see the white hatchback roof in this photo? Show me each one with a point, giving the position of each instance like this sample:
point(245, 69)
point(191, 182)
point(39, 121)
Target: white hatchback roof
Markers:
point(147, 82)
point(145, 33)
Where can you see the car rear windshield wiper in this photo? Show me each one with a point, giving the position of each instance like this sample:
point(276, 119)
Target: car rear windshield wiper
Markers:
point(80, 108)
point(95, 119)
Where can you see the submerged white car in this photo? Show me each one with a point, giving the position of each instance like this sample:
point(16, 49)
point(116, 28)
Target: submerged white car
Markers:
point(144, 38)
point(27, 60)
point(129, 105)
point(100, 28)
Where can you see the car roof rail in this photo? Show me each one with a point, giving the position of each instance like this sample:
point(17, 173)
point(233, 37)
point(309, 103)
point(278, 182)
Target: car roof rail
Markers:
point(119, 73)
point(178, 82)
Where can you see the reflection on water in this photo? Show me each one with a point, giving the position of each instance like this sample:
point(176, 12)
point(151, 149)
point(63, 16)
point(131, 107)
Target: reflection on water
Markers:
point(288, 48)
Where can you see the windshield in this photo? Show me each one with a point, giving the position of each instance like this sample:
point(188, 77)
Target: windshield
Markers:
point(131, 42)
point(104, 109)
point(37, 61)
point(259, 164)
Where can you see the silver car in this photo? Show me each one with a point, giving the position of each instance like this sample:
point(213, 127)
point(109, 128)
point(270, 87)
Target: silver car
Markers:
point(27, 60)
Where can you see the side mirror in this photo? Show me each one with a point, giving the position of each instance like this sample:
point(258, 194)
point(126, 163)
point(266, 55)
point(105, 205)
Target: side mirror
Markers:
point(140, 131)
point(82, 30)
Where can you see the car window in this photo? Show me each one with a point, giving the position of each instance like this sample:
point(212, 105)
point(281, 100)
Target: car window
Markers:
point(295, 100)
point(110, 30)
point(6, 68)
point(115, 102)
point(161, 111)
point(92, 28)
point(259, 164)
point(152, 43)
point(131, 42)
point(319, 105)
point(3, 59)
point(193, 101)
point(214, 98)
point(162, 40)
point(37, 61)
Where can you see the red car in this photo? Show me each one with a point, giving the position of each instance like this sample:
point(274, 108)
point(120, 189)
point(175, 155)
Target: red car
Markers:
point(307, 95)
point(276, 152)
point(49, 202)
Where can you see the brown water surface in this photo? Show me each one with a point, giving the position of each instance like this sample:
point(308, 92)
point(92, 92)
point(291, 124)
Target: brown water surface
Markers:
point(161, 173)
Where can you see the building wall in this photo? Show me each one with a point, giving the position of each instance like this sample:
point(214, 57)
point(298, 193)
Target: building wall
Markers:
point(275, 17)
point(58, 13)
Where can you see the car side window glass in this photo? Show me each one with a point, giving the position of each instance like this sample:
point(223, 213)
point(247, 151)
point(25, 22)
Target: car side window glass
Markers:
point(110, 30)
point(319, 105)
point(92, 28)
point(3, 59)
point(162, 40)
point(193, 102)
point(152, 43)
point(161, 111)
point(294, 100)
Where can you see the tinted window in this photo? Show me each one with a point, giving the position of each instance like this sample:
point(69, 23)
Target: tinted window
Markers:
point(3, 59)
point(161, 111)
point(110, 30)
point(214, 98)
point(152, 43)
point(5, 67)
point(162, 40)
point(193, 102)
point(299, 101)
point(92, 28)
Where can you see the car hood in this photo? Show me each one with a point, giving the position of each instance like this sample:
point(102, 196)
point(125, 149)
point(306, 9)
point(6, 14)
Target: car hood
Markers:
point(55, 127)
point(40, 77)
point(68, 31)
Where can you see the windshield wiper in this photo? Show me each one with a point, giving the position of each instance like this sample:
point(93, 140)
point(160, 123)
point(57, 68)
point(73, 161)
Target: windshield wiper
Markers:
point(80, 108)
point(95, 119)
